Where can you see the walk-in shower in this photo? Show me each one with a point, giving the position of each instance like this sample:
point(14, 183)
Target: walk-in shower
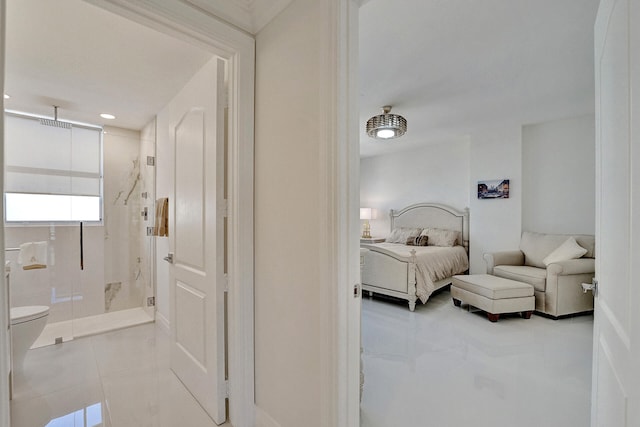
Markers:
point(86, 194)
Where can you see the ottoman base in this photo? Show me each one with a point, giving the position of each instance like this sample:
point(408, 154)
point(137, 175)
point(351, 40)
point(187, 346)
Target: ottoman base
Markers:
point(493, 307)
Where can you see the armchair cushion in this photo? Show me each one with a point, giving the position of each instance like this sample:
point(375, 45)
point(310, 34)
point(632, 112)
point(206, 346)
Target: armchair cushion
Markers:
point(536, 246)
point(570, 249)
point(536, 277)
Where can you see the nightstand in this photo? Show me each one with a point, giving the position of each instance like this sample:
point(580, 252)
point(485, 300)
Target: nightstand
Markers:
point(372, 240)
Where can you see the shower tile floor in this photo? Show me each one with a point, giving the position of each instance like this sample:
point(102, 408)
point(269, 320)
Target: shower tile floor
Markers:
point(117, 379)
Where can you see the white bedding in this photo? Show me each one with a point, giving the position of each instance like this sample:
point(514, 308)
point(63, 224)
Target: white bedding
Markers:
point(433, 263)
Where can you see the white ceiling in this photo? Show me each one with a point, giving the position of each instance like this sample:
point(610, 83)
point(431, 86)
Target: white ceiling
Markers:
point(88, 61)
point(448, 66)
point(452, 66)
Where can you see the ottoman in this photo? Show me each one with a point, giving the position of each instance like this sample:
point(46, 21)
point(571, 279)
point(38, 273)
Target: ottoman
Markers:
point(493, 294)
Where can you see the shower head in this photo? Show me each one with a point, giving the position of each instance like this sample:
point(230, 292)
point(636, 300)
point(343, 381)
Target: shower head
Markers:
point(55, 122)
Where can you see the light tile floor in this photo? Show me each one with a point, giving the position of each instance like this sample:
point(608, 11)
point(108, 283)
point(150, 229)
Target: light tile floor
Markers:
point(440, 366)
point(445, 366)
point(117, 379)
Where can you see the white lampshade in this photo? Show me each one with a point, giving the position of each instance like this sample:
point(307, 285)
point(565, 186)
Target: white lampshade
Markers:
point(365, 213)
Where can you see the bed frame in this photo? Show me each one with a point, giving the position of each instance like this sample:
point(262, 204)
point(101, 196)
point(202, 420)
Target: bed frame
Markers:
point(396, 276)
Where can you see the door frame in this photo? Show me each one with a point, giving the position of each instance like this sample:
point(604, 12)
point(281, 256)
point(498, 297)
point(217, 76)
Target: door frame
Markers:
point(341, 332)
point(187, 23)
point(4, 303)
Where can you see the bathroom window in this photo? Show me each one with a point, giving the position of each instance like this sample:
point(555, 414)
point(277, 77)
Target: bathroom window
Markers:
point(52, 173)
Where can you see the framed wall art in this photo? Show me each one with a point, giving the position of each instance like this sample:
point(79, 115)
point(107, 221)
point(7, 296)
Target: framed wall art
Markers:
point(494, 189)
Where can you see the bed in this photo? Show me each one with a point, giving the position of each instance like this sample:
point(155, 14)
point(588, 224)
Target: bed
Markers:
point(413, 273)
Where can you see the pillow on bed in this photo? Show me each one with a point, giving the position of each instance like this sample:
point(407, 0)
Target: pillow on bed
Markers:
point(440, 237)
point(402, 234)
point(417, 241)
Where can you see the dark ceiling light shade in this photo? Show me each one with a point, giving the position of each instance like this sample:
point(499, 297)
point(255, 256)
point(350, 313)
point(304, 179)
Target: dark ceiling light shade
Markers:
point(386, 125)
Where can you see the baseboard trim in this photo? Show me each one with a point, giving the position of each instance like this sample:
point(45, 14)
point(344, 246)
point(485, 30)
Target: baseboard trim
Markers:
point(264, 420)
point(163, 322)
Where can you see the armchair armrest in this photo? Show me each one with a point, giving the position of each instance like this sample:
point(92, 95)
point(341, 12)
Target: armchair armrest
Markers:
point(503, 258)
point(572, 266)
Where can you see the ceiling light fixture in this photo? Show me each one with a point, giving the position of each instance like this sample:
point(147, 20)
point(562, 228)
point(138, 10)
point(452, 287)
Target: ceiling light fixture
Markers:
point(107, 116)
point(386, 125)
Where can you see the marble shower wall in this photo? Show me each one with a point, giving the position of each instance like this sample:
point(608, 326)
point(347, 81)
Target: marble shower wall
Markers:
point(117, 273)
point(122, 220)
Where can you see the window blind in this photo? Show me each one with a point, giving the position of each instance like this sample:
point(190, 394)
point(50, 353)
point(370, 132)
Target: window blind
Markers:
point(46, 162)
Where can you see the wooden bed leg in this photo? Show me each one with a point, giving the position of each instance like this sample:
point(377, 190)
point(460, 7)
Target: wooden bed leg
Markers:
point(457, 302)
point(412, 305)
point(527, 314)
point(493, 317)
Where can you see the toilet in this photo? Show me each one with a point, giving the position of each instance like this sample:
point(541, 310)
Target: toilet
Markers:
point(27, 324)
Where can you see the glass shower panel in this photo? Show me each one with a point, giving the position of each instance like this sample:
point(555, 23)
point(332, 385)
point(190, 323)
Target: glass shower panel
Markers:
point(101, 188)
point(146, 266)
point(52, 286)
point(38, 190)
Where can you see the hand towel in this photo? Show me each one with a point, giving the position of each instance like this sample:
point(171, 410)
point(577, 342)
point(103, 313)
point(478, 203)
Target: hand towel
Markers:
point(33, 255)
point(161, 227)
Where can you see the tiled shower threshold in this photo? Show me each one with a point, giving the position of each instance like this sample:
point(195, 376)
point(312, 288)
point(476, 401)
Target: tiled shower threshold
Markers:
point(91, 325)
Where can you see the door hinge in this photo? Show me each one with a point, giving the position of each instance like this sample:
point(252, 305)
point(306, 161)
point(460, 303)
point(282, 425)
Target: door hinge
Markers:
point(356, 290)
point(226, 389)
point(226, 282)
point(224, 208)
point(151, 161)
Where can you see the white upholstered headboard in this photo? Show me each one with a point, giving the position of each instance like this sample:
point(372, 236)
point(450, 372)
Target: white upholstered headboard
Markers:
point(422, 215)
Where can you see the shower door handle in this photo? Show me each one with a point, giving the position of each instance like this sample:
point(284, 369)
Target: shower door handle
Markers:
point(169, 258)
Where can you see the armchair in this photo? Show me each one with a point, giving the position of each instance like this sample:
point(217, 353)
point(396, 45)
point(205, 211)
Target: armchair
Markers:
point(557, 286)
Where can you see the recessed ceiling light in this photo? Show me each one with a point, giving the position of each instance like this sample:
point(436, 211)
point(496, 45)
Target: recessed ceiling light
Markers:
point(107, 116)
point(6, 96)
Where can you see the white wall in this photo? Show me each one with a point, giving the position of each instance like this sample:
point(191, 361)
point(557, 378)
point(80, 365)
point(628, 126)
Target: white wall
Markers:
point(437, 173)
point(558, 176)
point(551, 168)
point(449, 174)
point(495, 224)
point(294, 356)
point(5, 418)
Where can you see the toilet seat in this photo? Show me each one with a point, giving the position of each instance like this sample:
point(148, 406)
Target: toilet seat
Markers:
point(28, 313)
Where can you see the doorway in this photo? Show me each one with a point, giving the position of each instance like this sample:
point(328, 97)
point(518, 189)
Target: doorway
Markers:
point(236, 50)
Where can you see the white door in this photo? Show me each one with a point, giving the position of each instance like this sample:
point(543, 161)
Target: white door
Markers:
point(616, 358)
point(196, 239)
